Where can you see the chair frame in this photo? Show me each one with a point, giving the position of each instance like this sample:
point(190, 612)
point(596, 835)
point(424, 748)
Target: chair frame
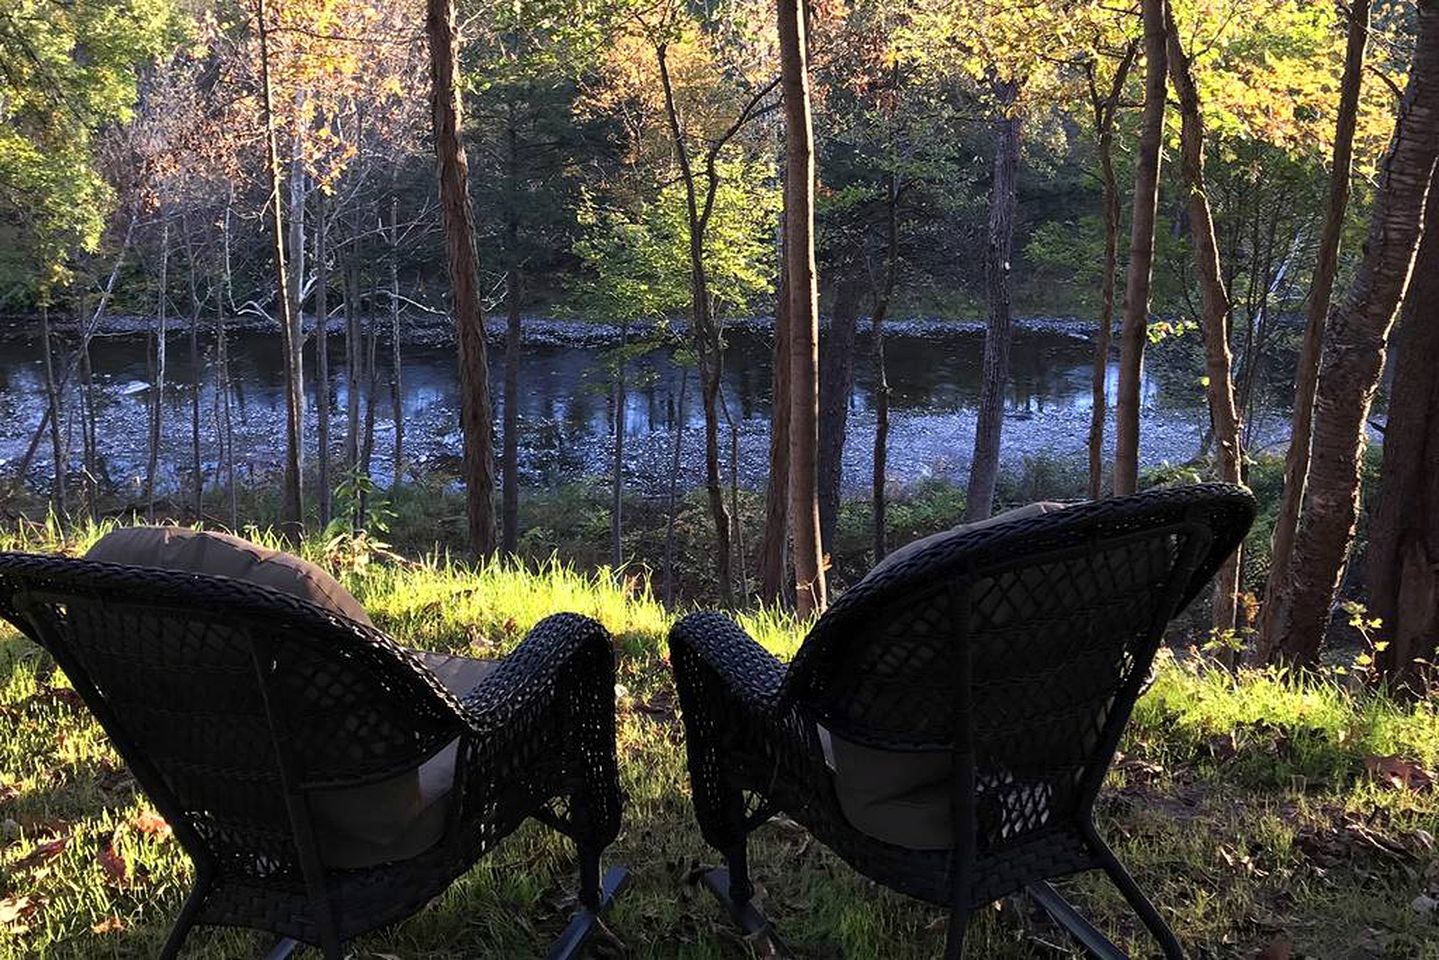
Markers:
point(751, 721)
point(543, 719)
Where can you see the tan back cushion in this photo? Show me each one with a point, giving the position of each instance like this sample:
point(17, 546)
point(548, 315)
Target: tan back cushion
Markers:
point(223, 555)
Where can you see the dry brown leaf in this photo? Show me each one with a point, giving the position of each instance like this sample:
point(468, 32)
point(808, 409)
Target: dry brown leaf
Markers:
point(1278, 950)
point(151, 824)
point(111, 924)
point(15, 912)
point(43, 853)
point(115, 865)
point(1400, 773)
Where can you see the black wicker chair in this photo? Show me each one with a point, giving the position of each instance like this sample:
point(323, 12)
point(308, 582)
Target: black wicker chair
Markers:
point(238, 707)
point(1012, 654)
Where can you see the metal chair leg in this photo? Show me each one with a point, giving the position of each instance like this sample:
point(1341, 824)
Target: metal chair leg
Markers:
point(749, 918)
point(185, 921)
point(1141, 905)
point(572, 940)
point(1063, 913)
point(954, 937)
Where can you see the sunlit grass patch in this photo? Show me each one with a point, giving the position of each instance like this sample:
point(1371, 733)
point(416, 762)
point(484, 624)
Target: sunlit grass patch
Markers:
point(1245, 804)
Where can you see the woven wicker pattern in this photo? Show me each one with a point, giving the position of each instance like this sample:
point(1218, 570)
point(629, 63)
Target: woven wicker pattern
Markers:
point(232, 702)
point(1018, 648)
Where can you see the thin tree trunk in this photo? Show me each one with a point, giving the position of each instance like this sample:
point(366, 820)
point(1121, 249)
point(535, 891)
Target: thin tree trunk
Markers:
point(222, 364)
point(1141, 252)
point(708, 342)
point(881, 376)
point(1105, 110)
point(1402, 559)
point(510, 454)
point(1215, 320)
point(397, 380)
point(1306, 375)
point(1354, 347)
point(836, 388)
point(984, 465)
point(52, 395)
point(157, 370)
point(463, 263)
point(354, 356)
point(803, 312)
point(617, 464)
point(196, 374)
point(774, 547)
point(292, 510)
point(87, 402)
point(322, 357)
point(674, 482)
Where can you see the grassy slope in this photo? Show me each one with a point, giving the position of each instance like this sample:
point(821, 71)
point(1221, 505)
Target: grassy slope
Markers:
point(1243, 806)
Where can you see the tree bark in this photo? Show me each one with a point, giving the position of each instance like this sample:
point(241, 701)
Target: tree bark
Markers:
point(774, 548)
point(463, 262)
point(1105, 110)
point(1214, 323)
point(397, 375)
point(836, 388)
point(510, 456)
point(1355, 341)
point(52, 395)
point(617, 464)
point(673, 495)
point(1402, 560)
point(322, 356)
point(292, 509)
point(1296, 460)
point(803, 312)
point(984, 465)
point(1141, 252)
point(157, 371)
point(881, 375)
point(196, 373)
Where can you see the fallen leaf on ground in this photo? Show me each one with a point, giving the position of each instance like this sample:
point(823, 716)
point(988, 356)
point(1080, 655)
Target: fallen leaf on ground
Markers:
point(111, 924)
point(115, 865)
point(151, 824)
point(1398, 772)
point(15, 912)
point(43, 853)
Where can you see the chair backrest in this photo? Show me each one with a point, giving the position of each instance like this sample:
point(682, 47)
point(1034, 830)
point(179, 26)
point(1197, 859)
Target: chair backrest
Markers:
point(229, 701)
point(1019, 648)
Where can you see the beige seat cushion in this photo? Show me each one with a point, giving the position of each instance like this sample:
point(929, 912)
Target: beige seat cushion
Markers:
point(903, 797)
point(392, 819)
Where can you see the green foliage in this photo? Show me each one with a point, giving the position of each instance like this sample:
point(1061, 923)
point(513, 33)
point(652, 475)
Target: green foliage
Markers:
point(71, 68)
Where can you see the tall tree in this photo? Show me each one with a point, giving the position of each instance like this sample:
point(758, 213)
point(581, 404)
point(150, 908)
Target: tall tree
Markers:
point(984, 465)
point(803, 320)
point(1354, 347)
point(292, 510)
point(1296, 459)
point(462, 260)
point(1215, 307)
point(1402, 560)
point(1141, 250)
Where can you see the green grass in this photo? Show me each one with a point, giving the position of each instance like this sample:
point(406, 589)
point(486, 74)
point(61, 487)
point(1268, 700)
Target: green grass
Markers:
point(1244, 804)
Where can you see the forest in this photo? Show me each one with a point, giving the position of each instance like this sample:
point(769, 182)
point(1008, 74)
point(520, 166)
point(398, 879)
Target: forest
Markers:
point(679, 303)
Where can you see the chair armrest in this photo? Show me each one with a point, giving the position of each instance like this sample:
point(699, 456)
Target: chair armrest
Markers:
point(748, 670)
point(560, 655)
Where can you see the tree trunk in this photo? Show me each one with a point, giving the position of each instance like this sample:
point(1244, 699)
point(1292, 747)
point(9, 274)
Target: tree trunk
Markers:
point(836, 387)
point(984, 465)
point(1296, 460)
point(322, 356)
point(397, 378)
point(1215, 320)
point(87, 403)
point(292, 510)
point(1355, 340)
point(354, 355)
point(463, 262)
point(222, 364)
point(157, 371)
point(881, 377)
point(510, 456)
point(52, 395)
point(708, 342)
point(1403, 554)
point(774, 548)
point(196, 374)
point(617, 465)
point(1141, 252)
point(803, 312)
point(674, 482)
point(1104, 115)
